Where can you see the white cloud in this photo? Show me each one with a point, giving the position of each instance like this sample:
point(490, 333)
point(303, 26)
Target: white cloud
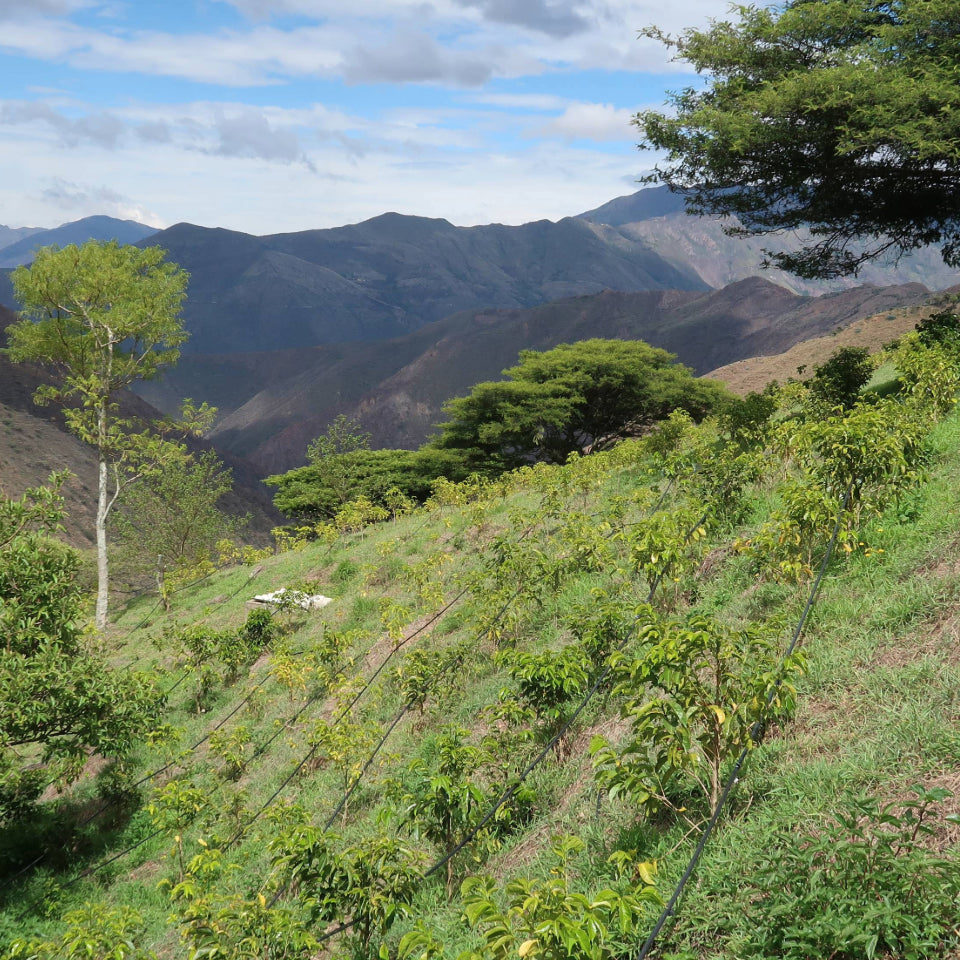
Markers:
point(99, 127)
point(79, 200)
point(457, 42)
point(590, 121)
point(413, 57)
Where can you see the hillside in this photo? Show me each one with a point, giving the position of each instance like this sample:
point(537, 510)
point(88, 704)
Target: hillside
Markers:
point(459, 707)
point(397, 387)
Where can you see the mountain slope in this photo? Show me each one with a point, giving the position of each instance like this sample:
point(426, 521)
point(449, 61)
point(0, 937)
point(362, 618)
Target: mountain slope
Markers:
point(11, 235)
point(78, 231)
point(656, 217)
point(389, 275)
point(397, 388)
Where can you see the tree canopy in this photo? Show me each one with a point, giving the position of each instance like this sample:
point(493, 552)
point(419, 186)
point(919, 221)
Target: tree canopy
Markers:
point(102, 315)
point(839, 116)
point(57, 700)
point(577, 397)
point(318, 490)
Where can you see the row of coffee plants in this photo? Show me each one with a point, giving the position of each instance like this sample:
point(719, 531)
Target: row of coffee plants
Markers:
point(577, 590)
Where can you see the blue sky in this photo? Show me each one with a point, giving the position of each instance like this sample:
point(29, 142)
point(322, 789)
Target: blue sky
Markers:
point(276, 115)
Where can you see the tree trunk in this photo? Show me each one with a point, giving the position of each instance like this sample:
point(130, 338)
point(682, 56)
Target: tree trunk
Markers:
point(103, 571)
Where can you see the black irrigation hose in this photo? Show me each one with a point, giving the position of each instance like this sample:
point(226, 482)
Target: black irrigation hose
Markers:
point(128, 850)
point(255, 572)
point(360, 693)
point(94, 869)
point(518, 781)
point(756, 733)
point(507, 794)
point(400, 714)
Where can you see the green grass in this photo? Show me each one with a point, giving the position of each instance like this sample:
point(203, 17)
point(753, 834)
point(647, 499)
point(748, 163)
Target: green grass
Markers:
point(876, 710)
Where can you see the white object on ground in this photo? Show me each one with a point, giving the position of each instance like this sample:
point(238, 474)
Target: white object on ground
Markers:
point(282, 597)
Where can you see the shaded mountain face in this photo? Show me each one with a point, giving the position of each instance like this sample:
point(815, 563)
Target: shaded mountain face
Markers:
point(656, 217)
point(397, 387)
point(390, 275)
point(79, 231)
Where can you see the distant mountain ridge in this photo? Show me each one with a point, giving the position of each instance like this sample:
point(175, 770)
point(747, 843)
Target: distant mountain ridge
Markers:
point(388, 318)
point(11, 235)
point(22, 250)
point(657, 217)
point(390, 275)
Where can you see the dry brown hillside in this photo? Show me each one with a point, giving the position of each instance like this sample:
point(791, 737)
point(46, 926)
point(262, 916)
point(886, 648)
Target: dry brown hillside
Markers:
point(871, 332)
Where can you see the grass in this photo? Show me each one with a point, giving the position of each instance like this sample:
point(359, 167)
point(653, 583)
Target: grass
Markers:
point(876, 711)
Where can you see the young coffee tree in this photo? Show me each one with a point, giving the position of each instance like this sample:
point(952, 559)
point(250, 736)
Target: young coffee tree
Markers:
point(696, 695)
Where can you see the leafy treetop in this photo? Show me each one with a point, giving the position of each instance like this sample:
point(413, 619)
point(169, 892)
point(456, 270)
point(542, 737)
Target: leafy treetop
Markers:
point(577, 397)
point(840, 116)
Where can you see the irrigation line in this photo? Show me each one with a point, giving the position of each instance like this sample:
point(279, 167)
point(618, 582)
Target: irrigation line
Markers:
point(260, 751)
point(254, 573)
point(522, 776)
point(442, 862)
point(345, 799)
point(343, 713)
point(356, 781)
point(756, 733)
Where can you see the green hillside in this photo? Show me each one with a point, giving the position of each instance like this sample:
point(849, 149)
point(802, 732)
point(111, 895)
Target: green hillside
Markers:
point(554, 681)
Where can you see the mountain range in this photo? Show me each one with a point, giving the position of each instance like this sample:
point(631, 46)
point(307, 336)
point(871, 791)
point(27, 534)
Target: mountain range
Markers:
point(18, 245)
point(386, 319)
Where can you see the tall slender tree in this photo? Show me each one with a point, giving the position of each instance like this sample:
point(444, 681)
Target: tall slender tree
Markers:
point(102, 316)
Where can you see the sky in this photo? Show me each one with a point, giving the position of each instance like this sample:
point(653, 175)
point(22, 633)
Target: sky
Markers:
point(269, 116)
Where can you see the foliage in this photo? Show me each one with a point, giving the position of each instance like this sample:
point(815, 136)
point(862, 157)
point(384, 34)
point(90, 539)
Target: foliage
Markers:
point(547, 919)
point(170, 521)
point(345, 741)
point(57, 700)
point(548, 681)
point(575, 398)
point(869, 884)
point(423, 674)
point(230, 746)
point(696, 695)
point(94, 931)
point(834, 115)
point(390, 478)
point(448, 798)
point(837, 381)
point(746, 420)
point(371, 884)
point(940, 329)
point(103, 316)
point(175, 806)
point(211, 655)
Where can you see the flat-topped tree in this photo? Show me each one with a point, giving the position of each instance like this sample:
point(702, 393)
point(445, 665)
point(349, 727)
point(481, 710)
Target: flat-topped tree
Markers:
point(102, 316)
point(842, 116)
